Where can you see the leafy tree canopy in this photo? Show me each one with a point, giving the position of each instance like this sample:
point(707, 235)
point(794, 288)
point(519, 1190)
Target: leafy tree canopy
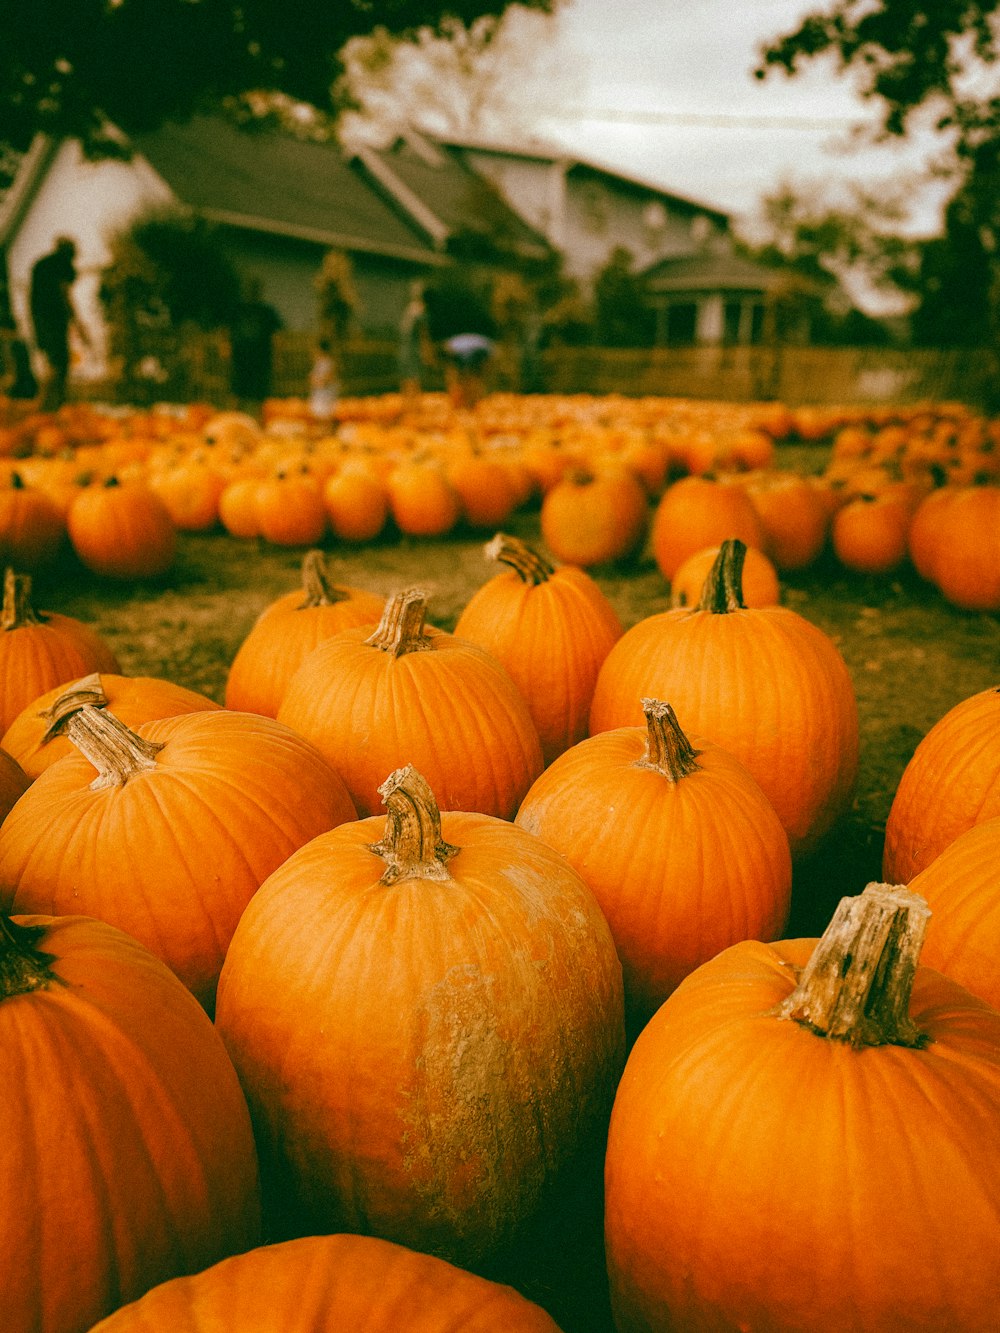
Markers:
point(70, 66)
point(937, 55)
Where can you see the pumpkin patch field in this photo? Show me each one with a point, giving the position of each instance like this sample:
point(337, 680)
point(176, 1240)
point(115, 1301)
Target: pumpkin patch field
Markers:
point(531, 868)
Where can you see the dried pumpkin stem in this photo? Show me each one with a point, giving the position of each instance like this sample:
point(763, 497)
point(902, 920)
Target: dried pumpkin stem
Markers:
point(722, 591)
point(317, 586)
point(88, 690)
point(856, 986)
point(530, 565)
point(117, 753)
point(17, 609)
point(412, 845)
point(23, 968)
point(668, 750)
point(401, 629)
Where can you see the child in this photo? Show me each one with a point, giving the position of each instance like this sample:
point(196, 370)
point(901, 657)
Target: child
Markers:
point(324, 388)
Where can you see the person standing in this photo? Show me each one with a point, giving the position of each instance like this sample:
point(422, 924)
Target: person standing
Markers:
point(324, 384)
point(251, 348)
point(415, 346)
point(53, 315)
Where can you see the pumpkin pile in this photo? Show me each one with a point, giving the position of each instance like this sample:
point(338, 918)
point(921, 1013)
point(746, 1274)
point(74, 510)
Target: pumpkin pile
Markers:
point(317, 1007)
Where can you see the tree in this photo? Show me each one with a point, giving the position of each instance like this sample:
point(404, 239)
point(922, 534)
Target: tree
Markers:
point(71, 66)
point(467, 81)
point(937, 59)
point(848, 253)
point(623, 315)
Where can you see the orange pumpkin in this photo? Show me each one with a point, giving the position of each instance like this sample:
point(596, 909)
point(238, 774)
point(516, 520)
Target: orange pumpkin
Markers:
point(418, 695)
point(951, 782)
point(696, 512)
point(122, 531)
point(425, 1012)
point(793, 515)
point(967, 564)
point(172, 837)
point(760, 578)
point(869, 533)
point(330, 1284)
point(762, 682)
point(32, 528)
point(805, 1138)
point(591, 517)
point(357, 505)
point(287, 631)
point(126, 1156)
point(676, 841)
point(36, 738)
point(290, 510)
point(551, 628)
point(960, 886)
point(41, 649)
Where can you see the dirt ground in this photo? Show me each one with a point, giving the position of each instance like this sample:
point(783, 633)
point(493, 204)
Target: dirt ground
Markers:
point(911, 655)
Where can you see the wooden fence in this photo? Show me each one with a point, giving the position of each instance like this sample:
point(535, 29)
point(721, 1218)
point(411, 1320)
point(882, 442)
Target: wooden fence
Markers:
point(195, 366)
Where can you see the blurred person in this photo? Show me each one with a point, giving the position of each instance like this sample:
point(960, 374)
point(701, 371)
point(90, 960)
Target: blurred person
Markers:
point(324, 384)
point(467, 360)
point(415, 346)
point(251, 348)
point(53, 315)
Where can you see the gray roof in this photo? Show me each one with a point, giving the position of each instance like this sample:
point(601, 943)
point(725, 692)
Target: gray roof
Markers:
point(538, 150)
point(462, 201)
point(711, 272)
point(266, 180)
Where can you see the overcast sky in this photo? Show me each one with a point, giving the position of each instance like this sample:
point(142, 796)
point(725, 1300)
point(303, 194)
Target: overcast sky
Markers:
point(669, 94)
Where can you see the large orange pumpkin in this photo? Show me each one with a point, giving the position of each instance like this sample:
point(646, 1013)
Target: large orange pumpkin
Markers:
point(551, 628)
point(331, 1284)
point(168, 831)
point(410, 693)
point(287, 631)
point(425, 1012)
point(762, 682)
point(951, 782)
point(126, 1152)
point(802, 1142)
point(676, 841)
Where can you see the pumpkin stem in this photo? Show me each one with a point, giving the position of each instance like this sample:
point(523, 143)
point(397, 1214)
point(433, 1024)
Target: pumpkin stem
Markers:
point(668, 750)
point(401, 629)
point(88, 690)
point(412, 845)
point(23, 968)
point(722, 591)
point(316, 583)
point(17, 610)
point(530, 564)
point(117, 753)
point(856, 986)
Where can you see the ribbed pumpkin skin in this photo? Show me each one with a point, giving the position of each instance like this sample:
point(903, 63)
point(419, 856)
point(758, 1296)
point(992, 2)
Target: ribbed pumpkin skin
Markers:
point(331, 1284)
point(961, 888)
point(761, 1177)
point(681, 869)
point(126, 1153)
point(132, 699)
point(552, 637)
point(951, 782)
point(450, 710)
point(174, 855)
point(421, 1058)
point(765, 684)
point(283, 636)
